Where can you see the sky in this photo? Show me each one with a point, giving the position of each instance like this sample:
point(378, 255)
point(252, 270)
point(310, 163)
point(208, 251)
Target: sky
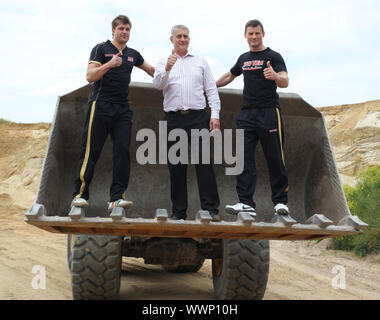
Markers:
point(331, 47)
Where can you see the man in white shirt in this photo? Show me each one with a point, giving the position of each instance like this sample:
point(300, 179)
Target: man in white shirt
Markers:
point(185, 80)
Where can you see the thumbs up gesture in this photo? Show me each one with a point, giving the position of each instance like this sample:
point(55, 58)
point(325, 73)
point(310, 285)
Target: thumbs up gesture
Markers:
point(171, 61)
point(116, 61)
point(269, 73)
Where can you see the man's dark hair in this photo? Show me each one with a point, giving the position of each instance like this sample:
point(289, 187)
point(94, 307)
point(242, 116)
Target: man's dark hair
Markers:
point(121, 20)
point(253, 23)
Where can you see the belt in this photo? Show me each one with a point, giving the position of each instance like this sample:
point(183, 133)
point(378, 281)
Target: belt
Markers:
point(185, 111)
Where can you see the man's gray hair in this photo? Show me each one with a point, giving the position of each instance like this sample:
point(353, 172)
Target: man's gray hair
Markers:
point(179, 26)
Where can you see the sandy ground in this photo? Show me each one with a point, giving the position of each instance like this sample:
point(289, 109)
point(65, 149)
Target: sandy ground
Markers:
point(298, 270)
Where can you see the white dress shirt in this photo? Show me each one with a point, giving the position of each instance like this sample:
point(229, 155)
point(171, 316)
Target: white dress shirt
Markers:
point(185, 85)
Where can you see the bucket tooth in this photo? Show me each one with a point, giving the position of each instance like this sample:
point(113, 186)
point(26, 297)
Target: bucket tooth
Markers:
point(117, 213)
point(353, 221)
point(35, 211)
point(76, 213)
point(245, 218)
point(320, 220)
point(162, 215)
point(286, 220)
point(203, 216)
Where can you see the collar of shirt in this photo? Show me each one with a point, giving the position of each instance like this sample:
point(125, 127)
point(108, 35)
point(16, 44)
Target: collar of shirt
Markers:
point(188, 54)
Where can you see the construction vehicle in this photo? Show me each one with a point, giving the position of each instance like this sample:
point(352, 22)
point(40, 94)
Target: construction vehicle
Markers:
point(238, 245)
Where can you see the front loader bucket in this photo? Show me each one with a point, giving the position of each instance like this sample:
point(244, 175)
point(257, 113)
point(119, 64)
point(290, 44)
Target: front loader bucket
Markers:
point(316, 197)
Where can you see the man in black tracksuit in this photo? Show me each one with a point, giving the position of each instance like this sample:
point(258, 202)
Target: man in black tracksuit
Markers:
point(264, 70)
point(109, 68)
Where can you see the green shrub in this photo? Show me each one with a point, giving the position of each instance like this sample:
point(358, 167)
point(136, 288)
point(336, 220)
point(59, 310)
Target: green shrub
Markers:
point(364, 201)
point(4, 121)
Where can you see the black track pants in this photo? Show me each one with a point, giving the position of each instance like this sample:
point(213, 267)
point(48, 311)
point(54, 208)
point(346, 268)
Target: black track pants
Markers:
point(105, 118)
point(264, 125)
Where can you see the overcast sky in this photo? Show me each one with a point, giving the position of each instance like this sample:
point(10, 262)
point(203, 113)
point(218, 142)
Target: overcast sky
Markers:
point(331, 47)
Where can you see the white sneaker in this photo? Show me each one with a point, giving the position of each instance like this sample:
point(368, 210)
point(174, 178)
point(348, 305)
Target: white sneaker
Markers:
point(119, 203)
point(79, 202)
point(240, 207)
point(281, 209)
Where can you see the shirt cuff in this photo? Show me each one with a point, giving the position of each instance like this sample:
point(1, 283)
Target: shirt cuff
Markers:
point(164, 76)
point(214, 114)
point(166, 73)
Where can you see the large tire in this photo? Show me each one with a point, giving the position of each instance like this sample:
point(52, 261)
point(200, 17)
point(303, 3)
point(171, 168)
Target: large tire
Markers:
point(95, 266)
point(185, 269)
point(242, 272)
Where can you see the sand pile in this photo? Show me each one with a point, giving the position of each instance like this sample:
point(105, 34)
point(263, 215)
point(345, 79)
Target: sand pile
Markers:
point(355, 135)
point(23, 148)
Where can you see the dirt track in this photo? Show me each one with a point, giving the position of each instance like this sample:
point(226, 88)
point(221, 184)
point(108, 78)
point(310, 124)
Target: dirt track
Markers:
point(299, 270)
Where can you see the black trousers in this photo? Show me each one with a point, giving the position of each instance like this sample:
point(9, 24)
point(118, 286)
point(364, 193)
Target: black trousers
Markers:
point(208, 192)
point(105, 118)
point(264, 125)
